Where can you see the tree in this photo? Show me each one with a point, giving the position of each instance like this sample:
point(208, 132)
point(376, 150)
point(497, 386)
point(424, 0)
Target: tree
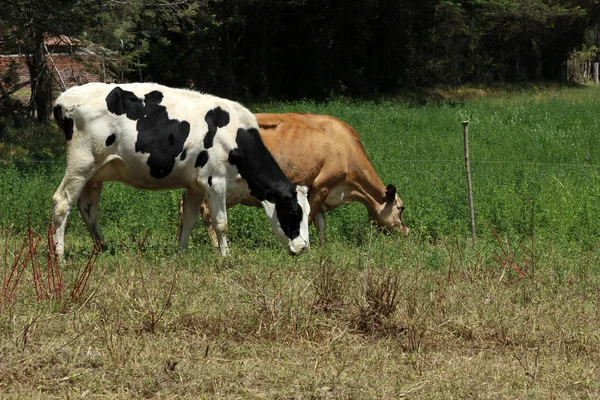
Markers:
point(149, 39)
point(307, 48)
point(25, 25)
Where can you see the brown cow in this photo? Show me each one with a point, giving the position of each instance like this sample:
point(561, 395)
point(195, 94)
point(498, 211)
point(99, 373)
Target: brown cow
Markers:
point(325, 154)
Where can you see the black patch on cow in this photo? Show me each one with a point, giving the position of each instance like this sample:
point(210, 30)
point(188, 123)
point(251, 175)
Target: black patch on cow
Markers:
point(110, 140)
point(202, 159)
point(266, 180)
point(66, 124)
point(161, 137)
point(215, 119)
point(210, 181)
point(183, 155)
point(154, 97)
point(121, 102)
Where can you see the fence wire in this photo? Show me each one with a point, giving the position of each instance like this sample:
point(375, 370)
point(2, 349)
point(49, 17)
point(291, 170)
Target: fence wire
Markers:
point(414, 161)
point(474, 161)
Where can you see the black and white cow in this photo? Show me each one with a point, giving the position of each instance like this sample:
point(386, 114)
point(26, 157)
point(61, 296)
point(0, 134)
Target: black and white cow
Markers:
point(158, 138)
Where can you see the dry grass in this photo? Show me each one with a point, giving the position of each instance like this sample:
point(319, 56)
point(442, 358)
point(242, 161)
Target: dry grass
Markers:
point(340, 323)
point(378, 318)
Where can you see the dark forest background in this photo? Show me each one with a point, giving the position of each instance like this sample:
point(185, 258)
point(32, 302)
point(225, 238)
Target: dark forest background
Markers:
point(311, 48)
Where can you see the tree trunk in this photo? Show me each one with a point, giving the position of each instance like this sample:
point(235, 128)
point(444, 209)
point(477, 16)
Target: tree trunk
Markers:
point(41, 93)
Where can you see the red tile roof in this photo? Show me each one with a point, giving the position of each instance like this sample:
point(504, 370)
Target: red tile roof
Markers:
point(62, 40)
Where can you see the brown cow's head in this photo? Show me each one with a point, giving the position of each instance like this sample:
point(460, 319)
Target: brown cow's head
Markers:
point(390, 216)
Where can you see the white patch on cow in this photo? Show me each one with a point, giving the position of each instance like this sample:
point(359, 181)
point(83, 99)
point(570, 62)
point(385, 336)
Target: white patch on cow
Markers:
point(302, 239)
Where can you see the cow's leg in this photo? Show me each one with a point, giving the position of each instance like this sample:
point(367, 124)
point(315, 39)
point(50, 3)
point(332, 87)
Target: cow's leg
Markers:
point(88, 207)
point(191, 210)
point(320, 225)
point(62, 201)
point(316, 198)
point(180, 216)
point(217, 207)
point(207, 220)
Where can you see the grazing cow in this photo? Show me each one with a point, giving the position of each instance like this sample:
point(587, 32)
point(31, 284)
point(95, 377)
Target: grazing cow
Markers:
point(158, 138)
point(325, 154)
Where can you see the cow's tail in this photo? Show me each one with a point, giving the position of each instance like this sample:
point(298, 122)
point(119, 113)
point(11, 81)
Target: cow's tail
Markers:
point(64, 122)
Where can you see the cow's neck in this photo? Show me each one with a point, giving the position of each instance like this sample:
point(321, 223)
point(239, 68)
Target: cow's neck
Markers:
point(257, 166)
point(370, 191)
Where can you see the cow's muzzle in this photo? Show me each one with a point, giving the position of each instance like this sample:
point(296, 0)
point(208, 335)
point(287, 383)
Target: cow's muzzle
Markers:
point(298, 251)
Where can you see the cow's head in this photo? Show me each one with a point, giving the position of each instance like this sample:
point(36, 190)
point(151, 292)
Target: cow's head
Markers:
point(390, 216)
point(288, 211)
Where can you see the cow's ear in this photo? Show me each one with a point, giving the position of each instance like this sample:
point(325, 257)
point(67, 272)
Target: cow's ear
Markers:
point(390, 193)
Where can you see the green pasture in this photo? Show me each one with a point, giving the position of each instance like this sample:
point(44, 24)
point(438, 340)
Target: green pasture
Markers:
point(533, 154)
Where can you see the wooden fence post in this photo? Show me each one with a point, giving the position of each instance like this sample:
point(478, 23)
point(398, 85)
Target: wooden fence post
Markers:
point(469, 186)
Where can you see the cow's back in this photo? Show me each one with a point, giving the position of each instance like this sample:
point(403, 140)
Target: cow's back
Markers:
point(152, 136)
point(306, 145)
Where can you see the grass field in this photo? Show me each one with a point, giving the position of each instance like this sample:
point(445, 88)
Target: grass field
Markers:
point(369, 315)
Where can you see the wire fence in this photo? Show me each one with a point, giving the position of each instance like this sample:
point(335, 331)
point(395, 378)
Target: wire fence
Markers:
point(398, 161)
point(565, 195)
